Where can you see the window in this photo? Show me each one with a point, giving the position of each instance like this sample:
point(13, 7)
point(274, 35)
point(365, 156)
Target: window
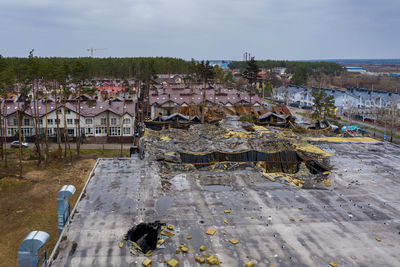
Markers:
point(50, 121)
point(68, 111)
point(71, 132)
point(59, 111)
point(26, 131)
point(76, 121)
point(127, 121)
point(57, 121)
point(49, 131)
point(101, 131)
point(69, 121)
point(115, 131)
point(12, 122)
point(26, 122)
point(88, 121)
point(103, 121)
point(88, 131)
point(12, 131)
point(113, 121)
point(127, 130)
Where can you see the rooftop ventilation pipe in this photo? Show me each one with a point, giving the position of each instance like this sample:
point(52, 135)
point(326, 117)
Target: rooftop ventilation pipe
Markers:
point(62, 205)
point(28, 249)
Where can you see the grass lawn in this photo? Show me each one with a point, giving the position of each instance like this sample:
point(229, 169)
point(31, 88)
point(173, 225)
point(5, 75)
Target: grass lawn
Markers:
point(30, 203)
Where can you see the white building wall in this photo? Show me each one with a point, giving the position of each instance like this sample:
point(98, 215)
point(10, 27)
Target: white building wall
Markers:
point(117, 125)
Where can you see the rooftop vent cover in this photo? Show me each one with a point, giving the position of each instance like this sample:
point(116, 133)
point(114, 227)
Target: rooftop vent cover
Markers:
point(28, 249)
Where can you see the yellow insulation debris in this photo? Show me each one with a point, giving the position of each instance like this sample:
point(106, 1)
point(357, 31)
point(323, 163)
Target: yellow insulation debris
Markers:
point(233, 241)
point(146, 262)
point(212, 260)
point(327, 182)
point(200, 259)
point(233, 134)
point(164, 138)
point(306, 147)
point(346, 139)
point(173, 263)
point(210, 231)
point(167, 233)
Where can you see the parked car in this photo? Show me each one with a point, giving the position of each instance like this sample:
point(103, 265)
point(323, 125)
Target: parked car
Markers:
point(15, 144)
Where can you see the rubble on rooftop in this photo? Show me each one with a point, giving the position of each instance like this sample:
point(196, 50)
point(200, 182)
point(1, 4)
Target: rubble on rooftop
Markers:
point(233, 144)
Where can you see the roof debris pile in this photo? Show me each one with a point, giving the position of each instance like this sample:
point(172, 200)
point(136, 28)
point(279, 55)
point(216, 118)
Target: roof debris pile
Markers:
point(182, 117)
point(232, 144)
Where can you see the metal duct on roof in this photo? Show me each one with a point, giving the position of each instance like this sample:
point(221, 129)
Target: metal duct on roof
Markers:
point(62, 205)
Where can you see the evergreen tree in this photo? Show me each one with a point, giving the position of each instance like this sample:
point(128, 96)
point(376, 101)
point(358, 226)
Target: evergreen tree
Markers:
point(300, 76)
point(206, 73)
point(251, 75)
point(322, 103)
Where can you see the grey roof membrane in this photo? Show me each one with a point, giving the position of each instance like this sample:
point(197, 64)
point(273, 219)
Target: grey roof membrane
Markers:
point(340, 224)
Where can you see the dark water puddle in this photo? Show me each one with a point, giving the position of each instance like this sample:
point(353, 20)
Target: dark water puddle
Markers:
point(217, 188)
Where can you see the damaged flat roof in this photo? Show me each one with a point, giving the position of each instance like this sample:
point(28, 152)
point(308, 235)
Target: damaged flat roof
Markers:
point(274, 224)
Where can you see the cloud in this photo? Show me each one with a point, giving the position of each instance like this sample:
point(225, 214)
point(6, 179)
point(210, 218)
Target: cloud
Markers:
point(284, 29)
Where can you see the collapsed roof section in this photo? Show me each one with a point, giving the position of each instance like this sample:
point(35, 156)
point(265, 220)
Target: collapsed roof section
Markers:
point(277, 116)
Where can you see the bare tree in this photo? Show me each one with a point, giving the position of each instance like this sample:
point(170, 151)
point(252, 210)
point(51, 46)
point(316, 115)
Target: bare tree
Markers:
point(393, 115)
point(4, 133)
point(19, 118)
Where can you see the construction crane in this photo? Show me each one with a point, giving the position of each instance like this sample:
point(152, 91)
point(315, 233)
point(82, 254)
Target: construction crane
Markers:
point(94, 49)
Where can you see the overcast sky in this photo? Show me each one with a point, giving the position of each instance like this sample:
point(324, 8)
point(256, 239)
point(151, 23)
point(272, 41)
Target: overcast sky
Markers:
point(202, 29)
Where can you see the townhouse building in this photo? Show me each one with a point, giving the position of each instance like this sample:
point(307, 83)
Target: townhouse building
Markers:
point(344, 99)
point(164, 101)
point(97, 118)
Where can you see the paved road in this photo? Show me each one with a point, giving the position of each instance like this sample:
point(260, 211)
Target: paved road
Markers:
point(371, 133)
point(370, 125)
point(376, 134)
